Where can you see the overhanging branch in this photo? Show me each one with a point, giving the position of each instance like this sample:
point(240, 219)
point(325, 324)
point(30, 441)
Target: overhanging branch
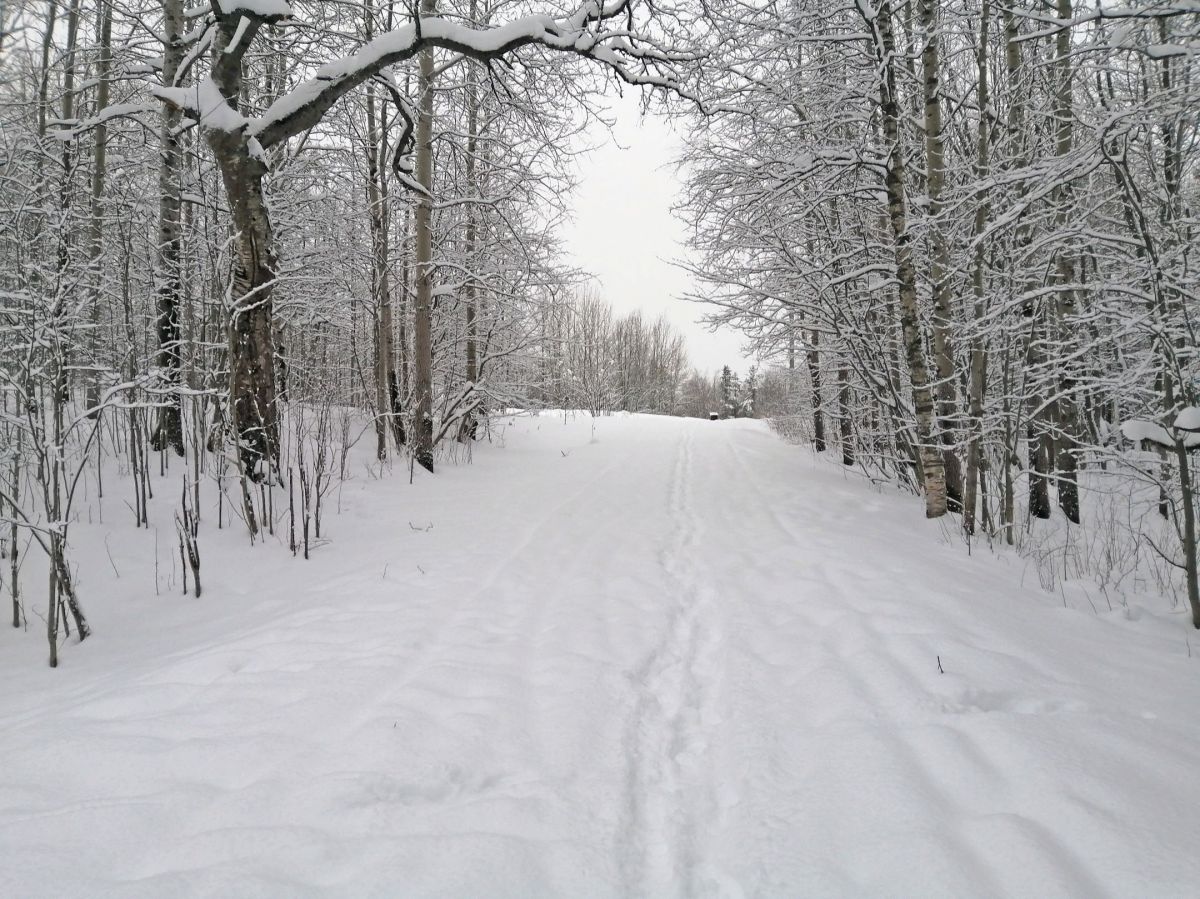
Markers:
point(634, 59)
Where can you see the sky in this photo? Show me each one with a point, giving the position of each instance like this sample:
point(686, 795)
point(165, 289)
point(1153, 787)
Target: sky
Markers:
point(624, 234)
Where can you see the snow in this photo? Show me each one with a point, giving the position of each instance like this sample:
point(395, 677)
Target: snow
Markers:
point(235, 42)
point(1187, 421)
point(629, 656)
point(1138, 429)
point(263, 9)
point(1166, 51)
point(205, 99)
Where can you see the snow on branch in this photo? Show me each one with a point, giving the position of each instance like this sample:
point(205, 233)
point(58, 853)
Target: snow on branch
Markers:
point(634, 58)
point(1185, 429)
point(205, 103)
point(263, 10)
point(109, 113)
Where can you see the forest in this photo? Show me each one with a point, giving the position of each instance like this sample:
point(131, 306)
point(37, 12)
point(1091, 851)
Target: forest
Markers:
point(238, 237)
point(381, 541)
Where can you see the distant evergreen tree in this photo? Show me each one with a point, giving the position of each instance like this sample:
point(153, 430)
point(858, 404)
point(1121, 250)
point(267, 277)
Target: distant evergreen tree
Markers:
point(730, 390)
point(748, 395)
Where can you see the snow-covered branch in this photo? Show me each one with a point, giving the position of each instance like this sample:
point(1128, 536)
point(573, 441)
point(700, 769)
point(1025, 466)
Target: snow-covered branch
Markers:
point(635, 60)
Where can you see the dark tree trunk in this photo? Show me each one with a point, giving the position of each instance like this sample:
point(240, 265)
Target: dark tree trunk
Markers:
point(168, 431)
point(469, 426)
point(423, 309)
point(1039, 467)
point(252, 398)
point(845, 433)
point(814, 375)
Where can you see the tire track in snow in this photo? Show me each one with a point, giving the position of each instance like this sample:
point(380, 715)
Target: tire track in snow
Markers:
point(671, 807)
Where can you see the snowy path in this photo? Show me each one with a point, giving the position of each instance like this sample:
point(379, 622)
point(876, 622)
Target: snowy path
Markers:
point(681, 659)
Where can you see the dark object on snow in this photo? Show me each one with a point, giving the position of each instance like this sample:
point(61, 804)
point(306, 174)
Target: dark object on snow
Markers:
point(713, 416)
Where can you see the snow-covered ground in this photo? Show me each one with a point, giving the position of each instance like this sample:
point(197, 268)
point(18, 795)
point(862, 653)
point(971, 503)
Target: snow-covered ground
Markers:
point(674, 658)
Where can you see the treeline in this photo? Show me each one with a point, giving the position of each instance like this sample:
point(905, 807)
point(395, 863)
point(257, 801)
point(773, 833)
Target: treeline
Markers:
point(593, 359)
point(972, 228)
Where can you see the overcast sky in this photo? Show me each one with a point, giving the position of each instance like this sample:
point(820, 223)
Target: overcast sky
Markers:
point(624, 232)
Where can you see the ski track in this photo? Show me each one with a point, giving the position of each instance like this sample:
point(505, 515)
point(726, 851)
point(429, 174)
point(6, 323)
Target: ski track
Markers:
point(672, 809)
point(640, 657)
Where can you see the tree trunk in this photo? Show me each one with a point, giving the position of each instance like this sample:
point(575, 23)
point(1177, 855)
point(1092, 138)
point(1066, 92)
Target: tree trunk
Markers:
point(99, 171)
point(978, 355)
point(814, 375)
point(1188, 534)
point(252, 398)
point(469, 426)
point(168, 431)
point(403, 364)
point(387, 325)
point(43, 101)
point(943, 350)
point(1172, 177)
point(386, 390)
point(1039, 471)
point(68, 155)
point(14, 561)
point(845, 433)
point(1067, 461)
point(932, 467)
point(1039, 503)
point(253, 404)
point(423, 308)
